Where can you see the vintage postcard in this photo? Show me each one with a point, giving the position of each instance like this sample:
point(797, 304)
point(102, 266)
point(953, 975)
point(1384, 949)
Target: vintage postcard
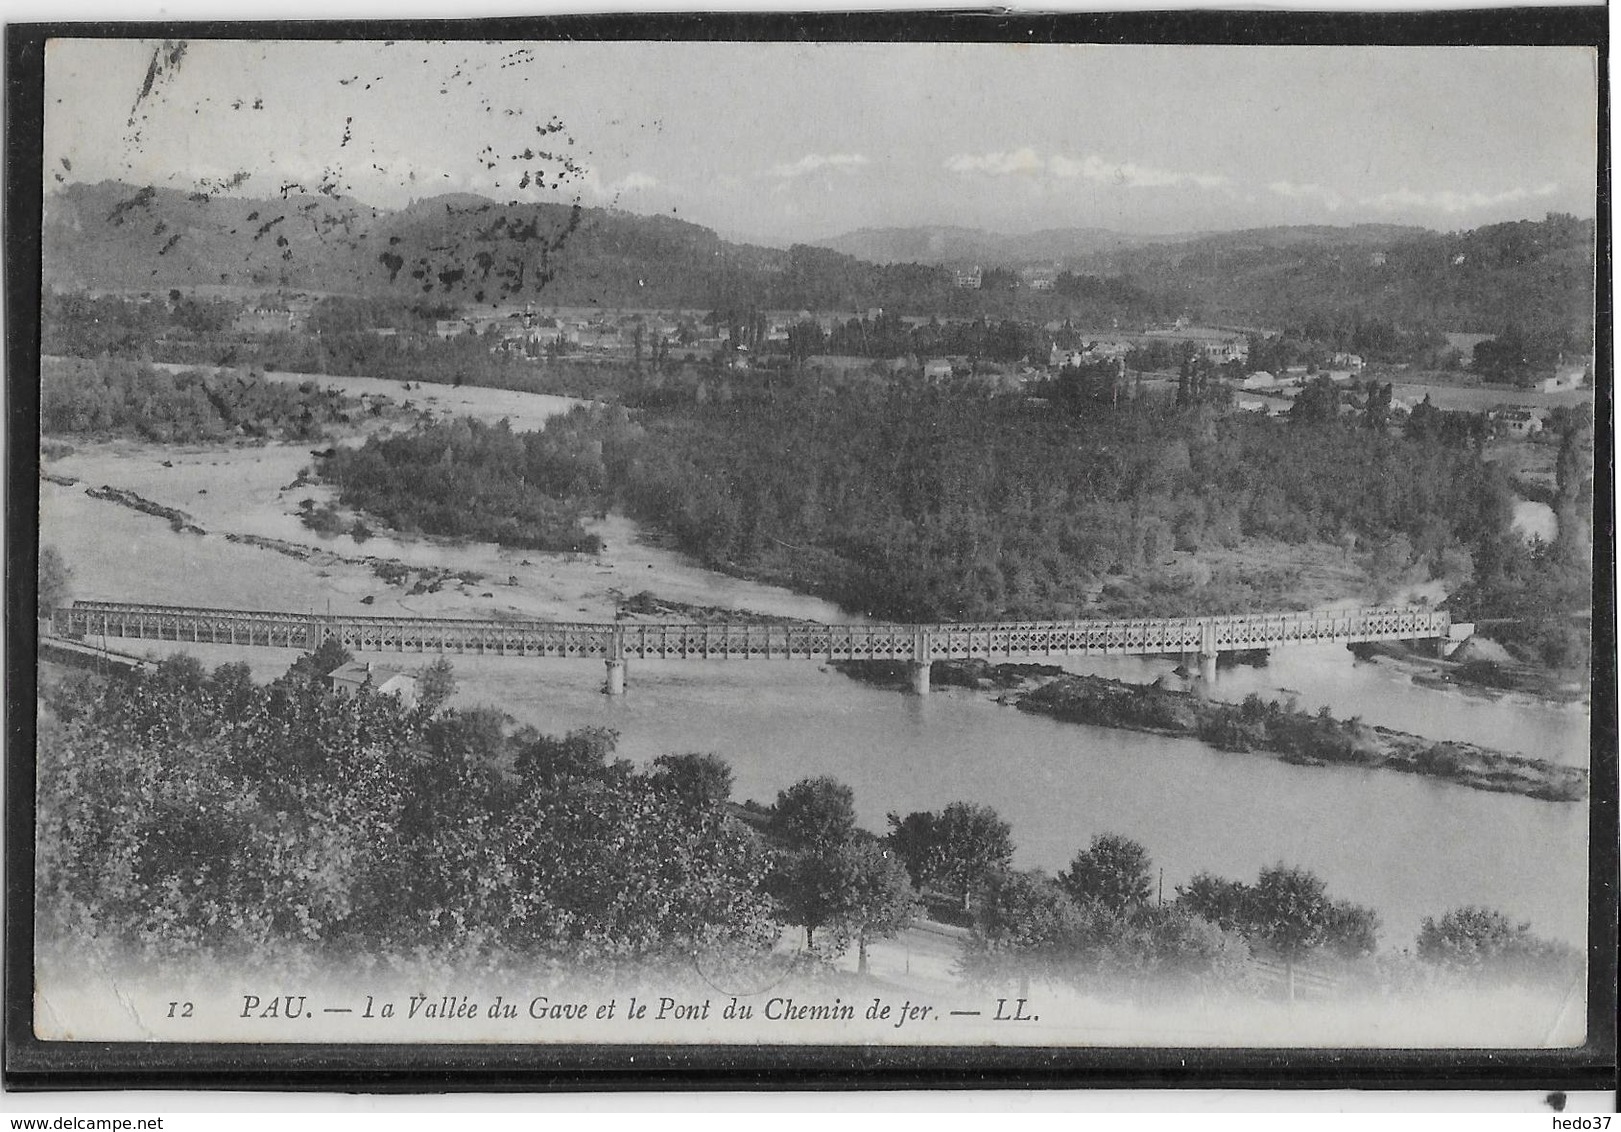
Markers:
point(841, 544)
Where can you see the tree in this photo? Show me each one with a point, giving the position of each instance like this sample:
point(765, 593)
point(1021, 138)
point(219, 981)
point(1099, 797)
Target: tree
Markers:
point(814, 813)
point(436, 685)
point(1508, 358)
point(578, 756)
point(834, 876)
point(624, 870)
point(1318, 402)
point(1352, 931)
point(811, 888)
point(54, 580)
point(1181, 945)
point(701, 781)
point(1089, 385)
point(1113, 873)
point(314, 667)
point(1376, 410)
point(1483, 941)
point(1026, 925)
point(1184, 379)
point(1289, 912)
point(879, 898)
point(804, 339)
point(1424, 421)
point(959, 848)
point(829, 874)
point(1572, 467)
point(917, 845)
point(1388, 565)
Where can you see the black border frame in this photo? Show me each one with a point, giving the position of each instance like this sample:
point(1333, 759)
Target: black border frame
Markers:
point(30, 1064)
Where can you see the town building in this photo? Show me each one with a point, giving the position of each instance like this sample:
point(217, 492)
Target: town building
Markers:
point(1216, 345)
point(1516, 421)
point(272, 317)
point(1567, 375)
point(381, 678)
point(1040, 278)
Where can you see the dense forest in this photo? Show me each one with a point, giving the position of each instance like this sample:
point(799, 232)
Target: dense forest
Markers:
point(109, 396)
point(187, 814)
point(921, 502)
point(79, 325)
point(469, 480)
point(1533, 276)
point(918, 501)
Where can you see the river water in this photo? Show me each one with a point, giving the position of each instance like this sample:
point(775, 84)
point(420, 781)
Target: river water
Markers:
point(1407, 846)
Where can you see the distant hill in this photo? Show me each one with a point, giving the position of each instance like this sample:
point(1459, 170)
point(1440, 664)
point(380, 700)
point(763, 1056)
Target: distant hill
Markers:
point(114, 235)
point(1082, 249)
point(970, 246)
point(1532, 272)
point(463, 250)
point(1294, 235)
point(455, 249)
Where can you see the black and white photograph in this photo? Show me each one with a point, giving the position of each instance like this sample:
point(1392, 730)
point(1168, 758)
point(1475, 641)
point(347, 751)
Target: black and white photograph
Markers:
point(889, 544)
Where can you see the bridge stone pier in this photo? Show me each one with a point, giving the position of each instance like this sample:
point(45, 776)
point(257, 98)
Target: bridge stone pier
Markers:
point(616, 644)
point(614, 661)
point(1207, 652)
point(918, 666)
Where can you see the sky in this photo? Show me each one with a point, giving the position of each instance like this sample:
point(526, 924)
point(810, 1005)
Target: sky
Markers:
point(788, 142)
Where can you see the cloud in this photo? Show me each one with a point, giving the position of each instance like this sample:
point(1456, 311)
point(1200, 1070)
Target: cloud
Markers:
point(1092, 167)
point(1449, 201)
point(1322, 194)
point(635, 182)
point(997, 164)
point(1130, 174)
point(816, 162)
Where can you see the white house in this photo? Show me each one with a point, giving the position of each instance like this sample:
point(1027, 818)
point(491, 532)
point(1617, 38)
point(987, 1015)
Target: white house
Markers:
point(1568, 375)
point(382, 678)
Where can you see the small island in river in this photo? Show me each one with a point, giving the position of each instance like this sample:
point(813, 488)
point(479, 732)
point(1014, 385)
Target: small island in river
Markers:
point(1306, 738)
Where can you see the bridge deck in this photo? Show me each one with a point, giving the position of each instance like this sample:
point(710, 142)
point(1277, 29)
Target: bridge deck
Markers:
point(605, 641)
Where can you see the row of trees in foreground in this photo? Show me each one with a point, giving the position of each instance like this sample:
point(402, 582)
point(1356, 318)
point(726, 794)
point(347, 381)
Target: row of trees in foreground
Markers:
point(186, 813)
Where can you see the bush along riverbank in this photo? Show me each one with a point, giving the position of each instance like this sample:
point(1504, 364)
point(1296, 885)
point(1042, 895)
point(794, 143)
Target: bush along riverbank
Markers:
point(1482, 674)
point(1305, 738)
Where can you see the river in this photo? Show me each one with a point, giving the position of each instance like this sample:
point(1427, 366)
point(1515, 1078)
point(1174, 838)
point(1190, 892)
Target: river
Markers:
point(1409, 847)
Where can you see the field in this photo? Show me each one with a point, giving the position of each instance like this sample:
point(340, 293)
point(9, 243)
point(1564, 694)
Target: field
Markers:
point(1479, 398)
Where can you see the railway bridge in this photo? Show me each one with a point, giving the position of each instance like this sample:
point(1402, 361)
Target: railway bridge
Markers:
point(615, 643)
